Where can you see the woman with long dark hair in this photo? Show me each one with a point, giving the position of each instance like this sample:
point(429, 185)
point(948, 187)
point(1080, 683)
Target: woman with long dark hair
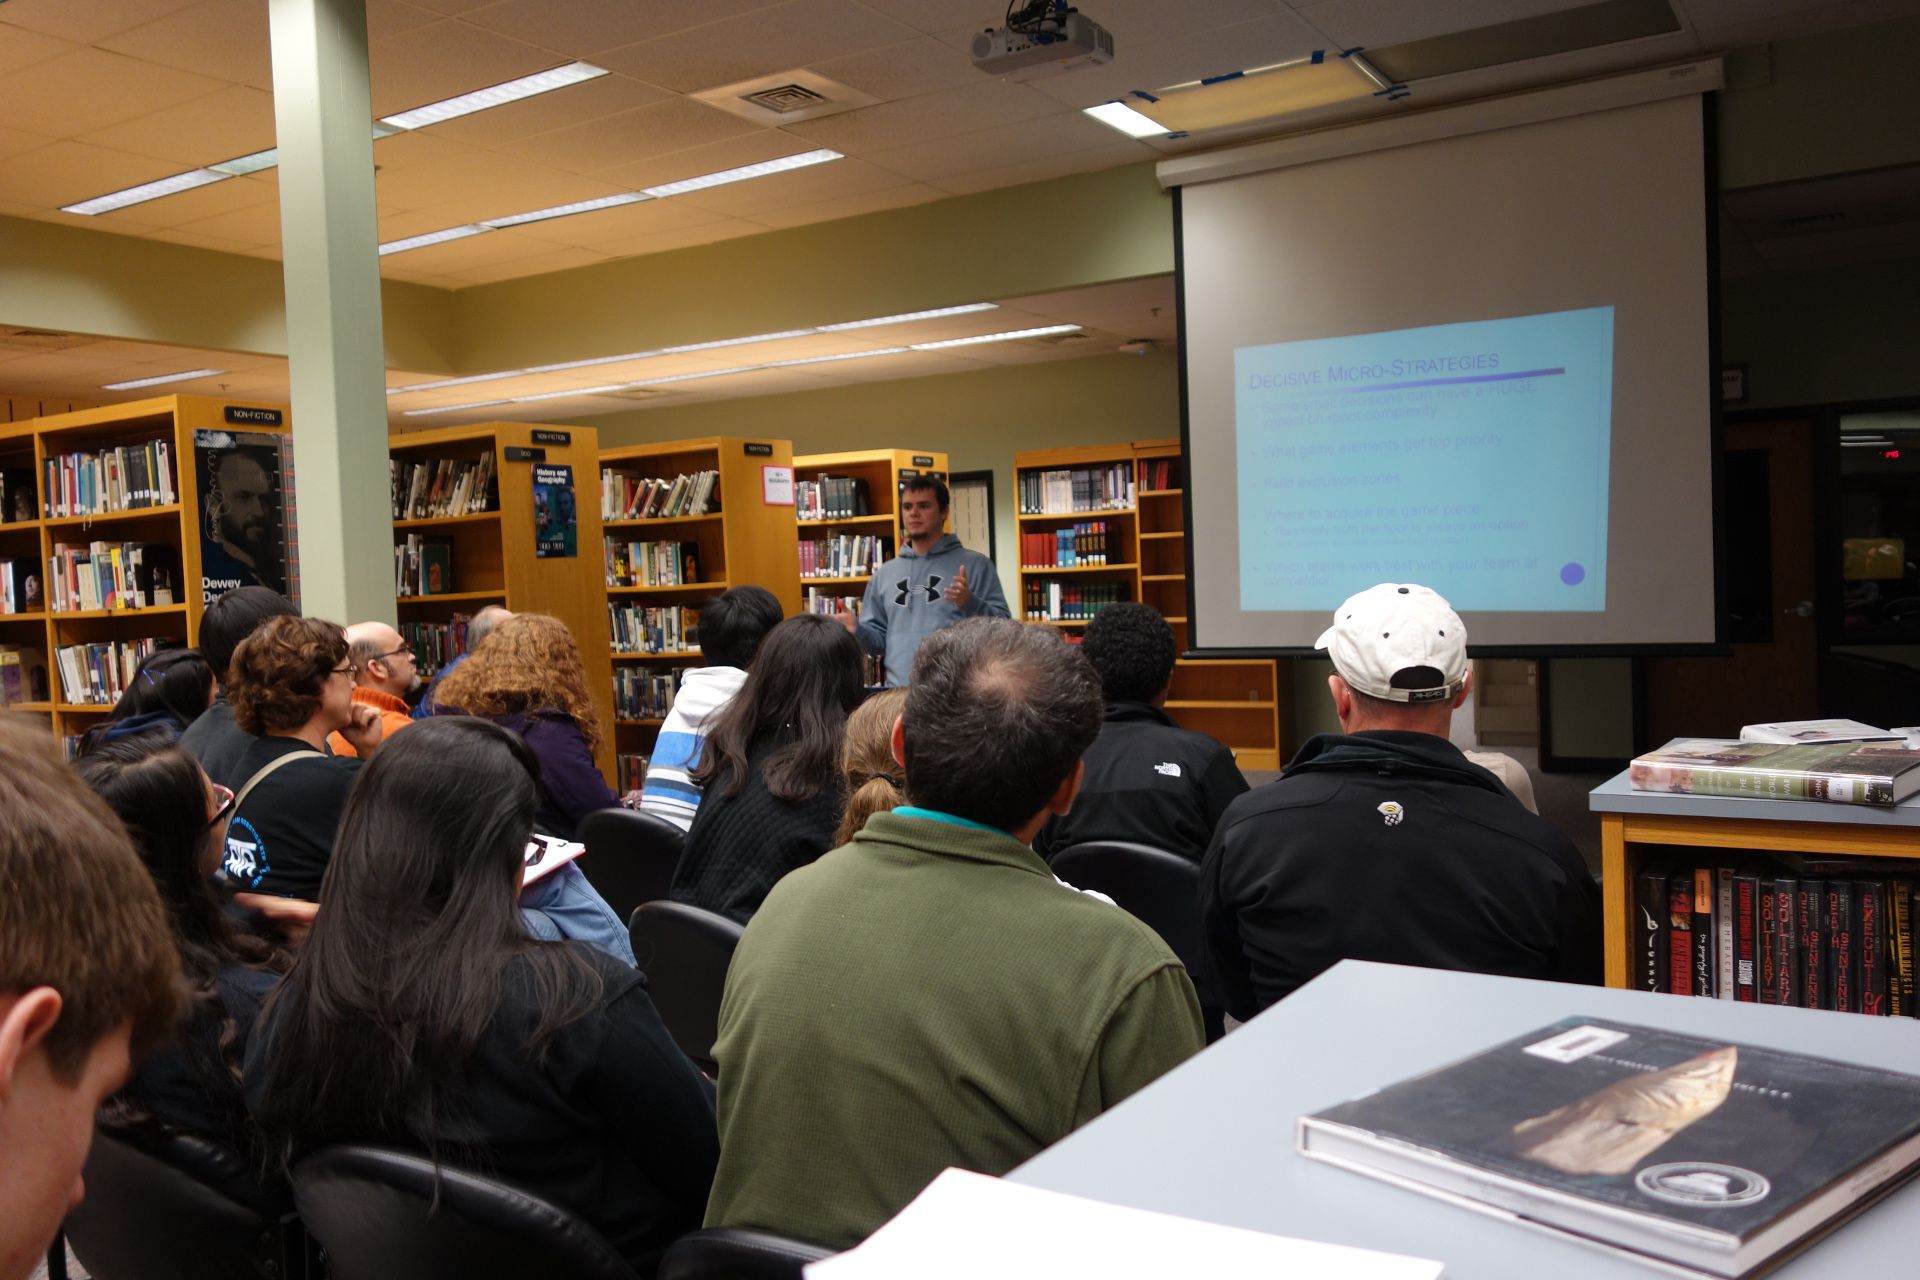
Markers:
point(770, 771)
point(421, 1014)
point(177, 820)
point(171, 689)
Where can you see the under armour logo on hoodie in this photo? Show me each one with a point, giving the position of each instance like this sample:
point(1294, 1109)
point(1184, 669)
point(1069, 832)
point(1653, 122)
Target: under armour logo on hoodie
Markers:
point(932, 589)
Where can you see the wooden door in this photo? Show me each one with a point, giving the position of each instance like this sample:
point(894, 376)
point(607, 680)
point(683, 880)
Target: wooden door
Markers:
point(1772, 673)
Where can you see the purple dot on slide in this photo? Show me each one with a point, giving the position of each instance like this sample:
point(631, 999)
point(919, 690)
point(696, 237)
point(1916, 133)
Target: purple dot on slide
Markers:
point(1572, 574)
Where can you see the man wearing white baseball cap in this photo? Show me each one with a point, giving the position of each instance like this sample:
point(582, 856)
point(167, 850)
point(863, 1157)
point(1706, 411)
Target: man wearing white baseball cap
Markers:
point(1384, 842)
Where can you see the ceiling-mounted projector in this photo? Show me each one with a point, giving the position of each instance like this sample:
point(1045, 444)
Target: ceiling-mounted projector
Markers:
point(1045, 38)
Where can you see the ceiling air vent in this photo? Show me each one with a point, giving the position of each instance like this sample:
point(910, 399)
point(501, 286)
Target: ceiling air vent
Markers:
point(1055, 339)
point(785, 97)
point(42, 339)
point(631, 393)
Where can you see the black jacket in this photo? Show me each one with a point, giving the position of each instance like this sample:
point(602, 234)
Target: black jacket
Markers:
point(739, 846)
point(1148, 782)
point(1389, 846)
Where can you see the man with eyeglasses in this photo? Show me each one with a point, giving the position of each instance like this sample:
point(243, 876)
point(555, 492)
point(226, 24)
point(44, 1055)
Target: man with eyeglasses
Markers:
point(384, 673)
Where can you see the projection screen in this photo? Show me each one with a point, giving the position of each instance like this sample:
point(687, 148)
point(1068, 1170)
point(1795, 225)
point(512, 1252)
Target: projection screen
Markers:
point(1480, 362)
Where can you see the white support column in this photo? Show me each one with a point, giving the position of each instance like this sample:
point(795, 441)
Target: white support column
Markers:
point(329, 243)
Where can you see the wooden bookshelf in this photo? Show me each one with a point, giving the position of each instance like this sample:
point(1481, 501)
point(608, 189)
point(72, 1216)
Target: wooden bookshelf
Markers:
point(884, 471)
point(1238, 701)
point(740, 541)
point(24, 448)
point(493, 556)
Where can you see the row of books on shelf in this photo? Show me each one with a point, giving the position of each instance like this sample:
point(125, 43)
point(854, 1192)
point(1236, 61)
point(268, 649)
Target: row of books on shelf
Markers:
point(435, 644)
point(1159, 473)
point(831, 498)
point(1066, 490)
point(20, 586)
point(846, 556)
point(1070, 601)
point(434, 488)
point(422, 566)
point(630, 769)
point(111, 575)
point(1830, 934)
point(23, 675)
point(96, 675)
point(1081, 544)
point(640, 694)
point(818, 601)
point(16, 496)
point(652, 564)
point(672, 628)
point(125, 478)
point(625, 497)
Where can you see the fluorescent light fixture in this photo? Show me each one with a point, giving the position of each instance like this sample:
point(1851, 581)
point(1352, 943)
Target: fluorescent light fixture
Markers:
point(572, 391)
point(254, 163)
point(457, 382)
point(844, 355)
point(1118, 115)
point(454, 408)
point(1009, 336)
point(145, 191)
point(432, 237)
point(564, 210)
point(689, 377)
point(165, 377)
point(498, 95)
point(735, 342)
point(906, 316)
point(761, 170)
point(585, 364)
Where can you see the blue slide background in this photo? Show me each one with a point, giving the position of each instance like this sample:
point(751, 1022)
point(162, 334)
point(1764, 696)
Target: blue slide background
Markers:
point(1477, 465)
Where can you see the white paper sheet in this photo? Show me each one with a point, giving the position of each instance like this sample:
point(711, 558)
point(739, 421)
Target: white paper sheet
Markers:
point(969, 1225)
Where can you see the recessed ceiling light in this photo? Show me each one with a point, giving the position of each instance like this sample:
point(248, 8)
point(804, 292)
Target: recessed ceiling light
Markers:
point(761, 170)
point(145, 191)
point(498, 95)
point(906, 316)
point(844, 355)
point(689, 377)
point(584, 364)
point(156, 381)
point(1118, 115)
point(734, 342)
point(565, 210)
point(572, 391)
point(455, 408)
point(432, 237)
point(1009, 336)
point(254, 163)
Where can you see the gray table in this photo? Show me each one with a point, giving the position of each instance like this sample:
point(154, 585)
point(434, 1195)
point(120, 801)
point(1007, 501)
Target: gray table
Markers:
point(1214, 1138)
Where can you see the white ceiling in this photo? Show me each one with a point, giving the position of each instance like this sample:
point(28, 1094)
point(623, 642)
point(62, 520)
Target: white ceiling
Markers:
point(104, 94)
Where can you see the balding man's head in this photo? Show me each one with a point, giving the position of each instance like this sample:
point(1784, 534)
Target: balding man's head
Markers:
point(484, 621)
point(381, 659)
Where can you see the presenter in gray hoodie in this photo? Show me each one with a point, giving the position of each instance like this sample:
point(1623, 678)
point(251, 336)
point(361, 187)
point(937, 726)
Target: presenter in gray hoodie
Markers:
point(933, 583)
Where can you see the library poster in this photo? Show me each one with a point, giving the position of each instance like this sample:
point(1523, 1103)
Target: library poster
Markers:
point(556, 524)
point(243, 511)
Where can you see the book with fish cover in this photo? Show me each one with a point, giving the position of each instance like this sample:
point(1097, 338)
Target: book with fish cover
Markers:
point(1716, 1158)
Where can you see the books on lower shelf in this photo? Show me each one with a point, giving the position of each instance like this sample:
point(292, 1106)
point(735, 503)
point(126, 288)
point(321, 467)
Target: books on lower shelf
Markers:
point(124, 478)
point(640, 694)
point(625, 497)
point(846, 556)
point(831, 498)
point(422, 566)
point(433, 488)
point(1813, 933)
point(1081, 544)
point(22, 589)
point(435, 644)
point(670, 628)
point(95, 675)
point(1704, 1155)
point(1838, 772)
point(826, 602)
point(1066, 490)
point(112, 575)
point(652, 564)
point(1788, 732)
point(1070, 601)
point(23, 675)
point(1159, 473)
point(630, 770)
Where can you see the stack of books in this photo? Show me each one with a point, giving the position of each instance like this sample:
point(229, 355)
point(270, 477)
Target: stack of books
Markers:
point(652, 564)
point(110, 575)
point(670, 628)
point(625, 497)
point(435, 644)
point(1071, 489)
point(422, 566)
point(819, 601)
point(631, 769)
point(1159, 473)
point(846, 556)
point(1843, 771)
point(831, 498)
point(644, 695)
point(1079, 545)
point(1070, 602)
point(433, 488)
point(127, 478)
point(95, 675)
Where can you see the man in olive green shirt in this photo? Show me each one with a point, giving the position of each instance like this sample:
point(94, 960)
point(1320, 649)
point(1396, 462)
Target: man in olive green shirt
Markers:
point(929, 995)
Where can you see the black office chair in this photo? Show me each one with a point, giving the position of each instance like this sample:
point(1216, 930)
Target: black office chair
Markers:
point(630, 856)
point(730, 1253)
point(1160, 888)
point(685, 951)
point(374, 1211)
point(176, 1207)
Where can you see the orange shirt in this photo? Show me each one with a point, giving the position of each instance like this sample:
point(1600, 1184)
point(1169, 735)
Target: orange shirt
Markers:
point(394, 716)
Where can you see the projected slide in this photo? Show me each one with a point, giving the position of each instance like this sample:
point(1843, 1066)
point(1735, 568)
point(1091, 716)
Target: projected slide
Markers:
point(1469, 457)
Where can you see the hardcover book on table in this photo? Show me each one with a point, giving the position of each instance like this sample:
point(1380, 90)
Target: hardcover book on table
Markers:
point(1713, 1158)
point(1879, 773)
point(1788, 732)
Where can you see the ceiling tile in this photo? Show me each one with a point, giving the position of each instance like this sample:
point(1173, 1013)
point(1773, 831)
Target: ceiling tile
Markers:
point(730, 153)
point(800, 186)
point(682, 238)
point(444, 59)
point(487, 183)
point(582, 28)
point(87, 21)
point(13, 142)
point(88, 90)
point(773, 39)
point(65, 172)
point(499, 200)
point(849, 206)
point(388, 18)
point(573, 105)
point(192, 206)
point(933, 115)
point(904, 70)
point(614, 140)
point(258, 226)
point(996, 147)
point(222, 38)
point(22, 48)
point(1026, 171)
point(234, 121)
point(1378, 23)
point(452, 6)
point(931, 15)
point(592, 230)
